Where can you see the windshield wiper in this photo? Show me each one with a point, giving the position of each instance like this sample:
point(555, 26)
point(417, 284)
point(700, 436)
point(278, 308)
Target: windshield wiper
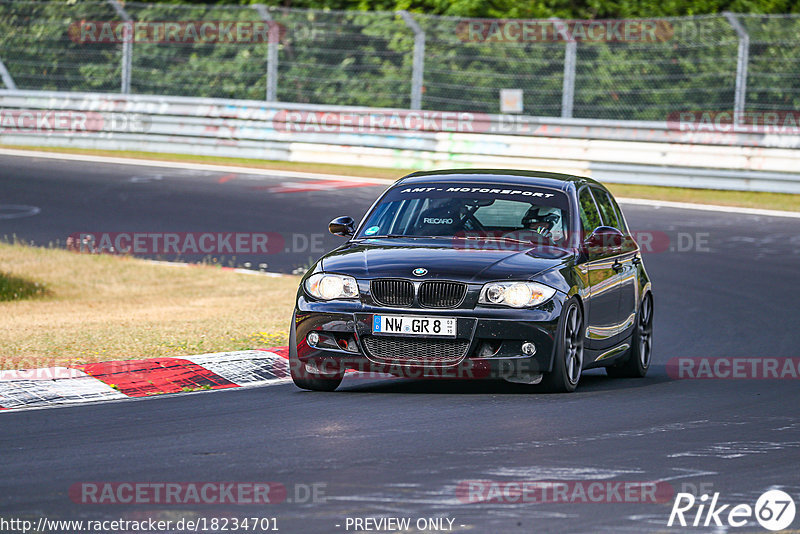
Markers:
point(400, 236)
point(386, 236)
point(495, 238)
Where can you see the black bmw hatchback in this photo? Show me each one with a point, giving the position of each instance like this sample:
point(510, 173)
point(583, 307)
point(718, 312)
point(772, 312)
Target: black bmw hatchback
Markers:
point(531, 277)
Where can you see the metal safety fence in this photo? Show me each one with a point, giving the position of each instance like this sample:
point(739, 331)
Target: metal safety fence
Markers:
point(621, 70)
point(638, 152)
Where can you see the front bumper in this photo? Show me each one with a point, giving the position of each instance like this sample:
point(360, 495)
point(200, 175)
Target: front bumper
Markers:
point(493, 338)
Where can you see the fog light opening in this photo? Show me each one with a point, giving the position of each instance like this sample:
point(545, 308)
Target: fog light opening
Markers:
point(487, 349)
point(528, 348)
point(349, 344)
point(313, 339)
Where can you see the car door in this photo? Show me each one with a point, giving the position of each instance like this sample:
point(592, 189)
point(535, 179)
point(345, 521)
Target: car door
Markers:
point(602, 309)
point(624, 263)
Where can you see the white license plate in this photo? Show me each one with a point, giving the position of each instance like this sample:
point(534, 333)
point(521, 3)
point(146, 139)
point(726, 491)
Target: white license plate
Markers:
point(414, 325)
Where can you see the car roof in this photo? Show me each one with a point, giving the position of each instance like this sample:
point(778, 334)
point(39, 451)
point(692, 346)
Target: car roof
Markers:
point(552, 180)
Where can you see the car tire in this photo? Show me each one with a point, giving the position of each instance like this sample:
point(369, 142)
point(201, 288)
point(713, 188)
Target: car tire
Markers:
point(301, 376)
point(637, 362)
point(569, 351)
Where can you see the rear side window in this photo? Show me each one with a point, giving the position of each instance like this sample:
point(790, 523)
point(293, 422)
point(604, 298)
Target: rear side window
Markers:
point(622, 222)
point(610, 217)
point(590, 218)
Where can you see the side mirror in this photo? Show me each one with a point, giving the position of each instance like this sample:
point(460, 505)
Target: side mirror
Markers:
point(604, 239)
point(342, 226)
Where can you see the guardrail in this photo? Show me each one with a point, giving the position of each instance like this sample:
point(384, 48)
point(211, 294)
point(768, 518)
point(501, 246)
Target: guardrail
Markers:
point(648, 153)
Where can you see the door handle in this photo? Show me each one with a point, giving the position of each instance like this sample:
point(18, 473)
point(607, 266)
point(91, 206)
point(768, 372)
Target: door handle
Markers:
point(617, 266)
point(636, 260)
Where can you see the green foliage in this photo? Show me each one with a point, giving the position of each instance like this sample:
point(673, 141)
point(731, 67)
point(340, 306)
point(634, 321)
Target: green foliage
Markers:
point(567, 9)
point(362, 58)
point(15, 288)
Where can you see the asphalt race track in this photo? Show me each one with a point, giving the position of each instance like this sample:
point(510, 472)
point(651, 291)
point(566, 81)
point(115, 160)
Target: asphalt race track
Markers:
point(402, 448)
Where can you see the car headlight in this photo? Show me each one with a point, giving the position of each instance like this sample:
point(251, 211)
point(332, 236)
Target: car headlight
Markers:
point(332, 286)
point(515, 294)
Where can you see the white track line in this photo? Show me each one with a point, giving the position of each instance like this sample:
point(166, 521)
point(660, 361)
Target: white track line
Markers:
point(191, 166)
point(707, 207)
point(230, 269)
point(338, 177)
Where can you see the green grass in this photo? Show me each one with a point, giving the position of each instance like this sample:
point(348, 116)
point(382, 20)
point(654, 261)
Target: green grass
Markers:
point(17, 288)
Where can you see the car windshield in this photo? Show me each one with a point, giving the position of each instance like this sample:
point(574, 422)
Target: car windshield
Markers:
point(471, 211)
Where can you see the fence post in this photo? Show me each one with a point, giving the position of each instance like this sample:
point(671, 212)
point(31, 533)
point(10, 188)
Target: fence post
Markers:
point(570, 57)
point(742, 59)
point(8, 81)
point(272, 53)
point(419, 59)
point(127, 47)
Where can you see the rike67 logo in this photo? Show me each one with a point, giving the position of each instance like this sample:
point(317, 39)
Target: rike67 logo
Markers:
point(774, 510)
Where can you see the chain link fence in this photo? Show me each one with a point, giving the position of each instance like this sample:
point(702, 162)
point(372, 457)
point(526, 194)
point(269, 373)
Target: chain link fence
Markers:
point(581, 69)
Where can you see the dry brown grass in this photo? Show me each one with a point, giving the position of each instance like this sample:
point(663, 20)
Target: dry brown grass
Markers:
point(110, 308)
